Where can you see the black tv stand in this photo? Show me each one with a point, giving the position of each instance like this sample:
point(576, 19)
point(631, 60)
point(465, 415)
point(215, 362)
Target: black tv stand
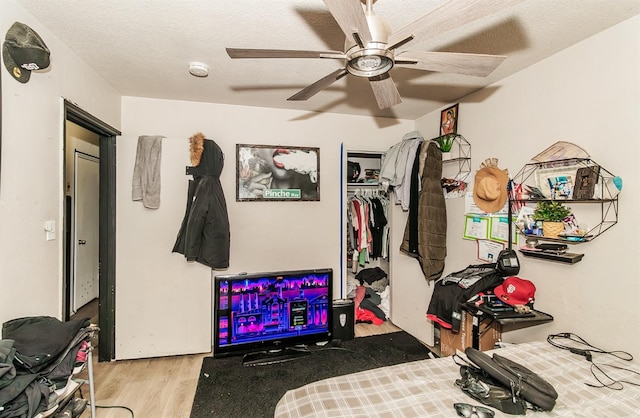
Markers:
point(263, 358)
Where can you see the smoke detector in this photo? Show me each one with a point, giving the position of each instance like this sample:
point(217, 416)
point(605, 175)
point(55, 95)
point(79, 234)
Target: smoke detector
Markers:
point(198, 69)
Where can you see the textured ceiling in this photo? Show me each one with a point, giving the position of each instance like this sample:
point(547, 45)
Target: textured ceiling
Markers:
point(142, 48)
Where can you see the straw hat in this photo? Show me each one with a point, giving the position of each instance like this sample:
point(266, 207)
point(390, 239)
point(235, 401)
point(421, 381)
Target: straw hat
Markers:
point(490, 186)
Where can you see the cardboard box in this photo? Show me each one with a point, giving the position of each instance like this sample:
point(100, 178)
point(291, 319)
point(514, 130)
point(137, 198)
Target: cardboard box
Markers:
point(450, 341)
point(480, 335)
point(485, 334)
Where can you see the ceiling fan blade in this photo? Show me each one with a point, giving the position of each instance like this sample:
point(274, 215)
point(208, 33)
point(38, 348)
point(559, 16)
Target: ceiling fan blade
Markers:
point(450, 15)
point(478, 65)
point(385, 91)
point(314, 88)
point(281, 53)
point(351, 18)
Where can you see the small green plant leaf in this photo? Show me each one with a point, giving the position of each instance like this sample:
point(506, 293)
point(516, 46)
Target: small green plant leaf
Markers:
point(551, 210)
point(445, 142)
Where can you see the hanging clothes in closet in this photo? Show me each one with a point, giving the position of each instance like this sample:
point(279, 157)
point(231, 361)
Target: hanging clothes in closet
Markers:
point(367, 240)
point(368, 228)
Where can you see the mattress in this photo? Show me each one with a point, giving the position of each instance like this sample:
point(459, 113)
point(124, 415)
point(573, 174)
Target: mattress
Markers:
point(426, 388)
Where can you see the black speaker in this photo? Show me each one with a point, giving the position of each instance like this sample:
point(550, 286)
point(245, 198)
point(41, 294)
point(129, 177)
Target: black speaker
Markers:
point(343, 319)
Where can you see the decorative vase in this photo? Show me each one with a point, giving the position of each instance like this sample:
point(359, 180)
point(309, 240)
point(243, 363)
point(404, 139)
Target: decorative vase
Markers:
point(552, 229)
point(446, 156)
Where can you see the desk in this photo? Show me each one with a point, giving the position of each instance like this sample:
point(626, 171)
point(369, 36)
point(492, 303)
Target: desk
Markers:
point(482, 329)
point(533, 318)
point(487, 326)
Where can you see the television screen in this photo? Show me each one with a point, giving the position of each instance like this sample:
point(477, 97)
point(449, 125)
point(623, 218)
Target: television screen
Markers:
point(271, 311)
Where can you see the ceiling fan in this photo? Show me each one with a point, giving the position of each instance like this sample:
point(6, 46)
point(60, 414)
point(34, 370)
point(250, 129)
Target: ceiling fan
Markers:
point(372, 49)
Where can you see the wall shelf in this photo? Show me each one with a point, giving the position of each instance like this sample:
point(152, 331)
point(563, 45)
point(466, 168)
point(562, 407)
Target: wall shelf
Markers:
point(456, 166)
point(560, 181)
point(569, 258)
point(365, 184)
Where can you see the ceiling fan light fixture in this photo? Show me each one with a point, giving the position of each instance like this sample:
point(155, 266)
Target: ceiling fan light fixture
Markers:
point(369, 62)
point(198, 69)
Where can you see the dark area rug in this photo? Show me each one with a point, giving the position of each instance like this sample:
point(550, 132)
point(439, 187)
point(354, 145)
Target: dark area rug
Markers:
point(228, 389)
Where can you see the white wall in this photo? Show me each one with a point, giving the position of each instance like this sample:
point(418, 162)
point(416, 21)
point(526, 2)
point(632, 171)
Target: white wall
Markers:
point(31, 183)
point(410, 292)
point(588, 94)
point(163, 302)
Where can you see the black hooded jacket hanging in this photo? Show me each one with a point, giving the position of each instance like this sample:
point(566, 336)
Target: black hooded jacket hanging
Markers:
point(204, 235)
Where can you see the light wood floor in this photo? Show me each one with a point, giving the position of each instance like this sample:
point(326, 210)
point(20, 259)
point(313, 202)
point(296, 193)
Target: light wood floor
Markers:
point(161, 387)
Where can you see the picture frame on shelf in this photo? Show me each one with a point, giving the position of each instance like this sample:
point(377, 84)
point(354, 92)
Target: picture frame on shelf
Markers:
point(556, 183)
point(586, 180)
point(277, 173)
point(449, 120)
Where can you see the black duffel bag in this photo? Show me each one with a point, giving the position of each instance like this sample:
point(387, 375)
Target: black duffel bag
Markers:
point(520, 380)
point(476, 383)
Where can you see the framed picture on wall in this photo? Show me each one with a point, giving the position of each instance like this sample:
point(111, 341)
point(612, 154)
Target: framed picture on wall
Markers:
point(449, 120)
point(277, 173)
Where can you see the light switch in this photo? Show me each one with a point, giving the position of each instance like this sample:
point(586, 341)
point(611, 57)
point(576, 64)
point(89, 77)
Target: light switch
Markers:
point(50, 229)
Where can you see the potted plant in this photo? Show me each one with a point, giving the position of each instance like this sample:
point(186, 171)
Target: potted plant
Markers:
point(551, 213)
point(445, 142)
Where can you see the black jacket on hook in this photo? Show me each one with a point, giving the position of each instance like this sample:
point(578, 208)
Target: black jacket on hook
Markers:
point(204, 235)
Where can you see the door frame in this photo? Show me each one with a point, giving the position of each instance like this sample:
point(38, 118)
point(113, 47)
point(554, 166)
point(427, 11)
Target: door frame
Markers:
point(107, 228)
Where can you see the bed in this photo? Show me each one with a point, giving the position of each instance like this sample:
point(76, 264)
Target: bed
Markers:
point(426, 388)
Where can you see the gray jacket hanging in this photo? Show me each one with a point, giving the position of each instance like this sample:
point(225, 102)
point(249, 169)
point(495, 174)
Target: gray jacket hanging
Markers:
point(146, 171)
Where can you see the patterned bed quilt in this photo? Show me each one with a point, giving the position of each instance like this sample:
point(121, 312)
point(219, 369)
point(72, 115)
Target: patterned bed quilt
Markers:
point(426, 388)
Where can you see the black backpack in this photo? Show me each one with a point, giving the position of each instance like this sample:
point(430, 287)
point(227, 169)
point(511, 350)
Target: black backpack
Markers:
point(521, 382)
point(507, 263)
point(479, 385)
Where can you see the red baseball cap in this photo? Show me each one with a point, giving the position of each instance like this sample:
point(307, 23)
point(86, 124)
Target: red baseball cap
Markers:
point(516, 291)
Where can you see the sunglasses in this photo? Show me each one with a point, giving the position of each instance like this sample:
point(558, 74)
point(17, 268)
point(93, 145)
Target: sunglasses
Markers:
point(470, 411)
